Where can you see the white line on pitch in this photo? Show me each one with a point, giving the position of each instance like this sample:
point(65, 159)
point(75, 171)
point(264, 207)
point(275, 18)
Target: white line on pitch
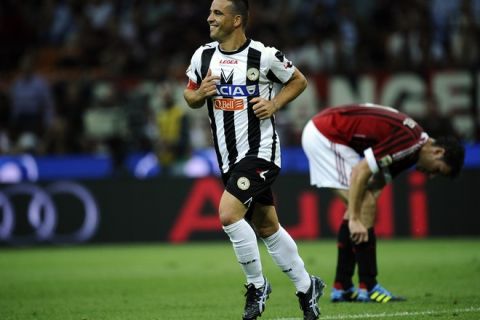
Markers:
point(393, 315)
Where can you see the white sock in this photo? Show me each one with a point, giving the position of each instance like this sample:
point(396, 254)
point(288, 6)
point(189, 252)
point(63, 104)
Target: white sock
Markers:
point(284, 252)
point(245, 245)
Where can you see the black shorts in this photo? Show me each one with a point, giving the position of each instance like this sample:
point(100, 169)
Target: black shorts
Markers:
point(250, 181)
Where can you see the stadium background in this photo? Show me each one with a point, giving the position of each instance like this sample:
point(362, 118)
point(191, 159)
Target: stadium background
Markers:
point(97, 144)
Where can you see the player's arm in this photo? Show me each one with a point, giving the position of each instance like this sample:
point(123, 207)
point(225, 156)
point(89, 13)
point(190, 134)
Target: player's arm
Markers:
point(292, 89)
point(195, 95)
point(360, 177)
point(264, 108)
point(377, 182)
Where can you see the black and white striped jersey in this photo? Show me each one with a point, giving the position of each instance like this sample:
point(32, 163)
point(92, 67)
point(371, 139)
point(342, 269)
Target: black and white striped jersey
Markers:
point(251, 71)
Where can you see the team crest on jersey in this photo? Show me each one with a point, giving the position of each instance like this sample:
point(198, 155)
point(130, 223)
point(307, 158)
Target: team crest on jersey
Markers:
point(409, 123)
point(243, 183)
point(253, 74)
point(386, 161)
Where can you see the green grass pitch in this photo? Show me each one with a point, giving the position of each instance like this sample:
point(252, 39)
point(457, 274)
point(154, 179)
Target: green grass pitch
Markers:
point(440, 278)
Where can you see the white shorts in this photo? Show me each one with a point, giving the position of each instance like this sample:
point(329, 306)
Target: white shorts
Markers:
point(330, 163)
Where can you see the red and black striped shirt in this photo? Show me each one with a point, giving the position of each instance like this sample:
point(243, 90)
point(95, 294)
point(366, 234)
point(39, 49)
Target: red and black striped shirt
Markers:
point(394, 137)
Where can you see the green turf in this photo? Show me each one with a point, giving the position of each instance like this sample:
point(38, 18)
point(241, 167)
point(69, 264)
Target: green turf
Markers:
point(441, 279)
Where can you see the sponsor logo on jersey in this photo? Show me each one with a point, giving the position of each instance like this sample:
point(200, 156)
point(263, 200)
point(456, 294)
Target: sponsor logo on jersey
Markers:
point(228, 104)
point(231, 90)
point(228, 61)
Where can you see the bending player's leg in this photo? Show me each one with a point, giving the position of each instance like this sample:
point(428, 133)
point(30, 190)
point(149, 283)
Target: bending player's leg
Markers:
point(366, 256)
point(343, 289)
point(365, 252)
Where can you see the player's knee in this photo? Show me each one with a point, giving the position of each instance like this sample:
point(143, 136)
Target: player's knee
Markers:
point(227, 219)
point(266, 231)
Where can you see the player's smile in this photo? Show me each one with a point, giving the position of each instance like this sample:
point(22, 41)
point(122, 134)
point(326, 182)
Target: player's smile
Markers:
point(214, 31)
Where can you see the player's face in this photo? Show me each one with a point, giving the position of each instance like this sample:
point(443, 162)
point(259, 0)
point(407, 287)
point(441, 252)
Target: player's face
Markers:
point(221, 20)
point(432, 163)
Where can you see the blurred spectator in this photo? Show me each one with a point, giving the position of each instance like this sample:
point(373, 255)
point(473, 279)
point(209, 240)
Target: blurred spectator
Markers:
point(4, 123)
point(99, 13)
point(66, 132)
point(408, 43)
point(62, 22)
point(32, 106)
point(347, 37)
point(106, 125)
point(464, 36)
point(441, 11)
point(16, 33)
point(141, 120)
point(173, 138)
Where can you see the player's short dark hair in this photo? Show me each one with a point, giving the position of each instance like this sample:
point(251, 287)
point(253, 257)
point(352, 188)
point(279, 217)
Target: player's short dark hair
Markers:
point(240, 7)
point(454, 153)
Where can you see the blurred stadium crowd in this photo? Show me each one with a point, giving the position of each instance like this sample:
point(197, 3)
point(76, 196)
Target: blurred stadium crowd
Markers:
point(107, 77)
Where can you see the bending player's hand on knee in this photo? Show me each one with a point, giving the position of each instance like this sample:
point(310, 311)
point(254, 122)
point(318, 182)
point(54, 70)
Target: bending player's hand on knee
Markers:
point(358, 232)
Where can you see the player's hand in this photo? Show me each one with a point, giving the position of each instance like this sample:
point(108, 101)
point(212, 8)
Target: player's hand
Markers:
point(263, 108)
point(208, 87)
point(358, 232)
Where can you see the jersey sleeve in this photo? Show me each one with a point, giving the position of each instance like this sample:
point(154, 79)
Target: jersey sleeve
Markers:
point(193, 70)
point(391, 162)
point(371, 161)
point(280, 68)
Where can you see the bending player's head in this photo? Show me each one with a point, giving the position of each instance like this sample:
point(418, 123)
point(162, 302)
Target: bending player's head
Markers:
point(443, 156)
point(454, 154)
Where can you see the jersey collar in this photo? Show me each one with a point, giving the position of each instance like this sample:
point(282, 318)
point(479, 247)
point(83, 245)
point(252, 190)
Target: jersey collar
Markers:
point(245, 45)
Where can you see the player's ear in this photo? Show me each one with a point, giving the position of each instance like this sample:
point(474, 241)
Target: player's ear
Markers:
point(237, 20)
point(438, 151)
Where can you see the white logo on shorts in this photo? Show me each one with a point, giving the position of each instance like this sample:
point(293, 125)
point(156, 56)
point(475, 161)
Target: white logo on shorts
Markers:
point(243, 183)
point(262, 174)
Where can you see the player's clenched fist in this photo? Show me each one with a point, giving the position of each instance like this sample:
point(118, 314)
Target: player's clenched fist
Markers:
point(263, 108)
point(208, 87)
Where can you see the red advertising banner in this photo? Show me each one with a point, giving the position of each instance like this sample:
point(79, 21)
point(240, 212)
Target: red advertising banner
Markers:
point(179, 209)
